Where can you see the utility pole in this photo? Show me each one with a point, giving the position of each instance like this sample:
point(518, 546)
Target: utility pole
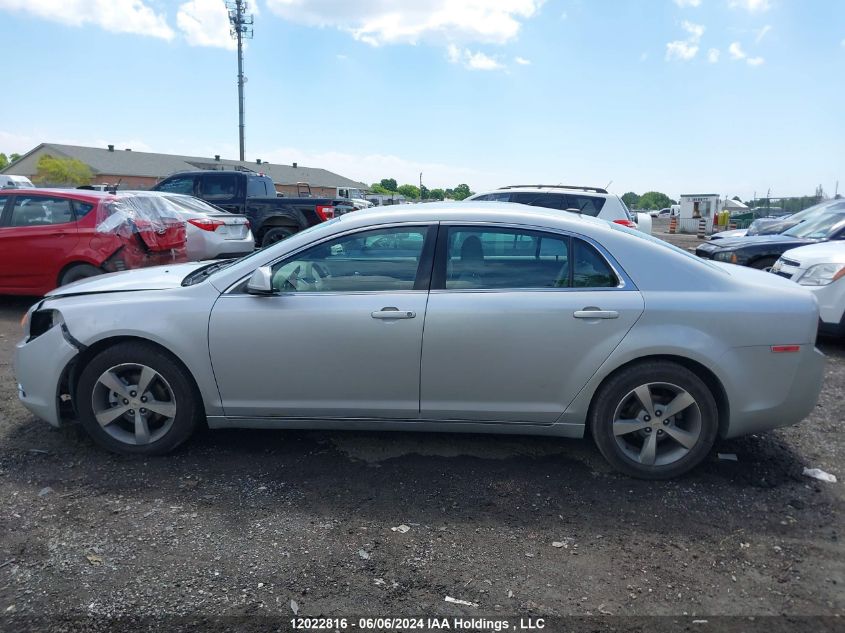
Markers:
point(240, 29)
point(421, 187)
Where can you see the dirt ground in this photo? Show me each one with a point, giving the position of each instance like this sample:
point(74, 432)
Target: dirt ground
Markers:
point(243, 525)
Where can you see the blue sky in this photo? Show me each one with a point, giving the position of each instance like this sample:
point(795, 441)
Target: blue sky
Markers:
point(727, 96)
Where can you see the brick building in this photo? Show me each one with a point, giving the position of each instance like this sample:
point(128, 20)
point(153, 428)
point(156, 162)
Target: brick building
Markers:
point(142, 170)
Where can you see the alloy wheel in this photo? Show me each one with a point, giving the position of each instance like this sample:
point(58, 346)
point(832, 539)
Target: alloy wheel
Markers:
point(133, 403)
point(657, 424)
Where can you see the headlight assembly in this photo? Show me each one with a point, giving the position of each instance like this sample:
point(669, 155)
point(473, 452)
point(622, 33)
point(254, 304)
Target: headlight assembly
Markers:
point(822, 274)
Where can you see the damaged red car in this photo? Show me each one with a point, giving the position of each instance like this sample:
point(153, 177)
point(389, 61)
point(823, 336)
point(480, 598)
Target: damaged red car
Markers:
point(52, 237)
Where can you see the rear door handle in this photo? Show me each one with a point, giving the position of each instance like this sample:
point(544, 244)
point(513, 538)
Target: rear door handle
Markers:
point(595, 313)
point(392, 313)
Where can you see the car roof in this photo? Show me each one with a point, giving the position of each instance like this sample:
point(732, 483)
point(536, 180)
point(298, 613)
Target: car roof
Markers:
point(560, 189)
point(472, 211)
point(80, 194)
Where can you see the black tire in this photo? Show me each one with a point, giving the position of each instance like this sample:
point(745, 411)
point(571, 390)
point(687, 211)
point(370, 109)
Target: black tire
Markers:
point(764, 263)
point(77, 272)
point(612, 394)
point(275, 234)
point(188, 402)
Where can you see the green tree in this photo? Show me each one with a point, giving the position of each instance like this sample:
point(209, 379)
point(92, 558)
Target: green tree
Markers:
point(412, 192)
point(461, 191)
point(436, 194)
point(389, 184)
point(4, 161)
point(62, 171)
point(377, 188)
point(425, 194)
point(655, 200)
point(14, 157)
point(631, 199)
point(737, 198)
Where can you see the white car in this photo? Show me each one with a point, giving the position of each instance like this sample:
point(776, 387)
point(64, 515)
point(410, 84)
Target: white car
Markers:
point(15, 182)
point(820, 268)
point(592, 201)
point(211, 232)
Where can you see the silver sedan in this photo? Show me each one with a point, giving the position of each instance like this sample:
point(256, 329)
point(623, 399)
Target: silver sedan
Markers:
point(498, 318)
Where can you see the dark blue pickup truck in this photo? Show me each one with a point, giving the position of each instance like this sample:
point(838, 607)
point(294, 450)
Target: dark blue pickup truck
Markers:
point(254, 195)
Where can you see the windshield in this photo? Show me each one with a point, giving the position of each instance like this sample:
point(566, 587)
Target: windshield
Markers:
point(823, 207)
point(819, 228)
point(209, 271)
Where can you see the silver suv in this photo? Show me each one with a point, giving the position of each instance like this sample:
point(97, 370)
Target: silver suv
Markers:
point(591, 201)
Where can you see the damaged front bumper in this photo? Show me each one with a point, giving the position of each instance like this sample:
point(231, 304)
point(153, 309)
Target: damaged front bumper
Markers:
point(39, 367)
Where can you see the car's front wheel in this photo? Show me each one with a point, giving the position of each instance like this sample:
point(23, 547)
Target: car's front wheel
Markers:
point(134, 398)
point(654, 420)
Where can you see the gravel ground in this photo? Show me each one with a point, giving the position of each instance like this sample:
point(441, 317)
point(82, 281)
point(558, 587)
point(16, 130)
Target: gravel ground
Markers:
point(244, 524)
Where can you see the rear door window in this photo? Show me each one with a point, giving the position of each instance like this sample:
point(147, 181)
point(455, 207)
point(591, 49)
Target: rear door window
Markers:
point(542, 199)
point(40, 211)
point(219, 186)
point(257, 187)
point(493, 197)
point(499, 258)
point(587, 205)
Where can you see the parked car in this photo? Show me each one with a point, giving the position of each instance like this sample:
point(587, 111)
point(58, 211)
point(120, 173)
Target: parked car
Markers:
point(536, 322)
point(762, 251)
point(211, 232)
point(663, 213)
point(587, 201)
point(773, 226)
point(253, 195)
point(729, 234)
point(15, 182)
point(820, 268)
point(52, 237)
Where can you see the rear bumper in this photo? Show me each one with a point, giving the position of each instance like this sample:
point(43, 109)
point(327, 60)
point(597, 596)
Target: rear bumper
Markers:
point(38, 368)
point(770, 390)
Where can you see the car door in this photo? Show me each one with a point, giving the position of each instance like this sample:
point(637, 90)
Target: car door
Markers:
point(342, 336)
point(517, 322)
point(38, 233)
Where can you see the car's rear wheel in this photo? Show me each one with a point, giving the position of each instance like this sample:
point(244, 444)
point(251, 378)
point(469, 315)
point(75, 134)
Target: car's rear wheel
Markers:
point(275, 234)
point(765, 263)
point(77, 272)
point(654, 420)
point(134, 398)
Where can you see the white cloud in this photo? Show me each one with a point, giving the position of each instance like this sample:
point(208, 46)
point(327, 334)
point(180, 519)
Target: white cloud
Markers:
point(752, 6)
point(413, 21)
point(681, 50)
point(685, 50)
point(522, 61)
point(205, 23)
point(695, 30)
point(713, 55)
point(761, 33)
point(688, 3)
point(117, 16)
point(736, 52)
point(472, 60)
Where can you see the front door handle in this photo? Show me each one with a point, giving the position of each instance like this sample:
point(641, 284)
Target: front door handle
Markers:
point(595, 313)
point(392, 313)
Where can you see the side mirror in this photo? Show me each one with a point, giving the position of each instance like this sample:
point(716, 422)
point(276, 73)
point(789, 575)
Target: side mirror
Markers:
point(261, 282)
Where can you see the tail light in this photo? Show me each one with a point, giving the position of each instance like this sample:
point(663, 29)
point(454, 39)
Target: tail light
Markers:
point(206, 224)
point(325, 211)
point(628, 223)
point(780, 349)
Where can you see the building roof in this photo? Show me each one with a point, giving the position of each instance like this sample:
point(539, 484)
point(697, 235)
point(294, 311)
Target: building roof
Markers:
point(121, 162)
